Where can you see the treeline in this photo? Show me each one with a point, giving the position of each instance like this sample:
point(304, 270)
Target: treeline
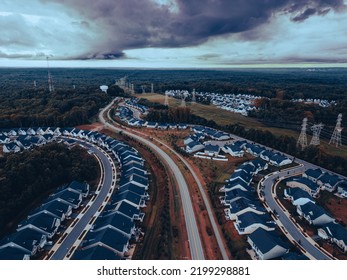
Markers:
point(177, 115)
point(27, 178)
point(277, 112)
point(32, 108)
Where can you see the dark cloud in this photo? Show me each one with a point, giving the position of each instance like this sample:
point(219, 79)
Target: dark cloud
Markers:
point(130, 24)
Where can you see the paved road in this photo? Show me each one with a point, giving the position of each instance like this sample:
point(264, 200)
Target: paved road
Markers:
point(70, 239)
point(289, 226)
point(195, 244)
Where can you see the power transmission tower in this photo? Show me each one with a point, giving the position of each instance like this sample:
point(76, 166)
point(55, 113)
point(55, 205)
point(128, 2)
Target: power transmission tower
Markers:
point(316, 129)
point(183, 103)
point(143, 89)
point(336, 137)
point(152, 88)
point(166, 102)
point(193, 96)
point(34, 84)
point(302, 141)
point(50, 80)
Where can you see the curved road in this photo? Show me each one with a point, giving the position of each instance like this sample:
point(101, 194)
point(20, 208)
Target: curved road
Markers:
point(292, 230)
point(191, 225)
point(67, 244)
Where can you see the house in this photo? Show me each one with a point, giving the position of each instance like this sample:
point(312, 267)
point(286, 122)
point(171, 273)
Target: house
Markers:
point(43, 223)
point(68, 197)
point(129, 211)
point(11, 148)
point(314, 214)
point(163, 126)
point(305, 184)
point(220, 136)
point(136, 190)
point(198, 128)
point(259, 164)
point(247, 167)
point(266, 245)
point(235, 194)
point(30, 131)
point(313, 174)
point(248, 222)
point(234, 150)
point(329, 182)
point(243, 205)
point(182, 126)
point(298, 196)
point(77, 187)
point(21, 131)
point(254, 150)
point(4, 139)
point(279, 160)
point(108, 238)
point(189, 139)
point(236, 184)
point(13, 253)
point(54, 208)
point(212, 150)
point(335, 233)
point(116, 221)
point(342, 189)
point(28, 240)
point(152, 125)
point(266, 155)
point(97, 252)
point(137, 180)
point(241, 174)
point(194, 147)
point(131, 197)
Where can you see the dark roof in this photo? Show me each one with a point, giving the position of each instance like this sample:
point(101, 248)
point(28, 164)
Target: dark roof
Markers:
point(294, 256)
point(108, 236)
point(336, 231)
point(126, 195)
point(127, 209)
point(305, 181)
point(25, 238)
point(43, 221)
point(193, 144)
point(314, 173)
point(327, 178)
point(66, 195)
point(132, 188)
point(247, 177)
point(266, 241)
point(298, 193)
point(313, 210)
point(243, 203)
point(238, 181)
point(116, 220)
point(78, 186)
point(212, 148)
point(12, 253)
point(55, 207)
point(97, 252)
point(250, 218)
point(236, 193)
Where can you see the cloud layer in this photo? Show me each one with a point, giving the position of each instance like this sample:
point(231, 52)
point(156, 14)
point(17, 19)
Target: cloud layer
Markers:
point(107, 29)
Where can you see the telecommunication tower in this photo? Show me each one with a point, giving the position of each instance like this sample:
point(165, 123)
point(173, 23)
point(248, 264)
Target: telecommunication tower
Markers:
point(302, 141)
point(316, 129)
point(336, 137)
point(50, 80)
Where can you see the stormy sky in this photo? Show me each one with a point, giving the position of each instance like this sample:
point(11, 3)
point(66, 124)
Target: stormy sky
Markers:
point(173, 33)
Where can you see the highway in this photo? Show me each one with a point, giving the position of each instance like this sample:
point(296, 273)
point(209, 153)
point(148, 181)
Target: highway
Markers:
point(73, 232)
point(195, 244)
point(291, 230)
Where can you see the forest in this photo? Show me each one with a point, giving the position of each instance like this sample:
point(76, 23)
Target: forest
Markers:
point(27, 178)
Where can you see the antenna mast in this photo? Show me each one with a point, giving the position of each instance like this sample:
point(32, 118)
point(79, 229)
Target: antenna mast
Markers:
point(336, 137)
point(302, 141)
point(50, 80)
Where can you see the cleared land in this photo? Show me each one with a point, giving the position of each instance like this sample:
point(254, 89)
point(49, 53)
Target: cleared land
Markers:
point(223, 117)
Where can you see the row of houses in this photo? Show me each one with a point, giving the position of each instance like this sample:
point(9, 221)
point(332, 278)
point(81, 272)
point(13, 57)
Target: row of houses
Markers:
point(126, 115)
point(317, 216)
point(43, 223)
point(133, 103)
point(117, 225)
point(249, 216)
